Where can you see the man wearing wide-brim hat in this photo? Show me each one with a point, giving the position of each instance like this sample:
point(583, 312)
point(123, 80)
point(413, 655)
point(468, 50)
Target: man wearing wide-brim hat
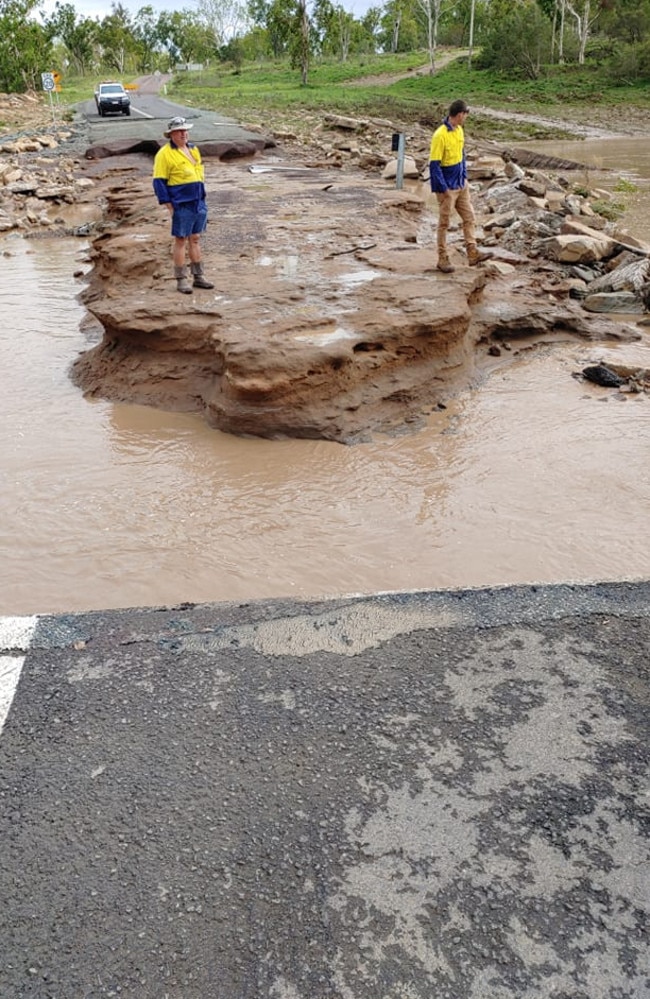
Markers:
point(178, 182)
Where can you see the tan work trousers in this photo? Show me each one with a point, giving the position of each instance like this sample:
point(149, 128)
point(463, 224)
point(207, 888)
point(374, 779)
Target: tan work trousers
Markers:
point(461, 201)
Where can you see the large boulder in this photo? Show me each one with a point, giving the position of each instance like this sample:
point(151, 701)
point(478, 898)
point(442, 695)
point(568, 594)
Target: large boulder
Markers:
point(614, 302)
point(579, 249)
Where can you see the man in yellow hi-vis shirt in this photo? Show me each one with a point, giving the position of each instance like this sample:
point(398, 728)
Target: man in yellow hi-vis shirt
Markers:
point(178, 184)
point(448, 178)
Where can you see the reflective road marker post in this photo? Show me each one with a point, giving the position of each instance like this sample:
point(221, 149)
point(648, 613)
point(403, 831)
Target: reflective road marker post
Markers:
point(398, 145)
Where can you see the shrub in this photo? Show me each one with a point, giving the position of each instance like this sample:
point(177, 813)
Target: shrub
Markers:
point(630, 64)
point(610, 210)
point(518, 42)
point(625, 186)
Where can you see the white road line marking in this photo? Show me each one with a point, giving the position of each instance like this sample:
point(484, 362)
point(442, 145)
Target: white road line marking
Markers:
point(10, 668)
point(15, 633)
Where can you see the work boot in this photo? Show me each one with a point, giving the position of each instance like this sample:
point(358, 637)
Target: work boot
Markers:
point(182, 284)
point(444, 264)
point(476, 256)
point(199, 281)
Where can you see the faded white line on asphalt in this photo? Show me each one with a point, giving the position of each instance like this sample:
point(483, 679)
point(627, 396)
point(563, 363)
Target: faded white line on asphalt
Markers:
point(15, 634)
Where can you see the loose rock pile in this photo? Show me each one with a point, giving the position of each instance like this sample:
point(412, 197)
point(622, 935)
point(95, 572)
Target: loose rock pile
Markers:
point(31, 185)
point(37, 172)
point(18, 111)
point(533, 213)
point(527, 211)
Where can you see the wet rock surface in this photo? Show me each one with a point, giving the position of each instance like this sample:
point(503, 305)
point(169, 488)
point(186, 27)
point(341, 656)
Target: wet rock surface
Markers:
point(627, 379)
point(329, 318)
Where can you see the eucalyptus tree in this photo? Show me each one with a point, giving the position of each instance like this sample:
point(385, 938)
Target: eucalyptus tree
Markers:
point(185, 37)
point(277, 17)
point(579, 14)
point(627, 21)
point(430, 11)
point(472, 23)
point(344, 28)
point(626, 27)
point(147, 38)
point(227, 19)
point(369, 26)
point(400, 31)
point(335, 28)
point(25, 46)
point(559, 21)
point(289, 30)
point(77, 33)
point(300, 45)
point(116, 38)
point(516, 40)
point(255, 45)
point(584, 17)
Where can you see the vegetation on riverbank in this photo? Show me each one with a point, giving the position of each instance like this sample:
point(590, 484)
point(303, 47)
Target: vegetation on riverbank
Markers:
point(401, 59)
point(399, 87)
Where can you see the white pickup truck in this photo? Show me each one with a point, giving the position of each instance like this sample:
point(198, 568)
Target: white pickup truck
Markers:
point(112, 98)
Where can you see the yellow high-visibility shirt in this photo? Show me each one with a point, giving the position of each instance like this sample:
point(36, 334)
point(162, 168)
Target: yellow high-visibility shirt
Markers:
point(175, 178)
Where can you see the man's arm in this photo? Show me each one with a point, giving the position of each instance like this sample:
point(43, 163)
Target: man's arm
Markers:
point(436, 177)
point(160, 178)
point(161, 191)
point(436, 155)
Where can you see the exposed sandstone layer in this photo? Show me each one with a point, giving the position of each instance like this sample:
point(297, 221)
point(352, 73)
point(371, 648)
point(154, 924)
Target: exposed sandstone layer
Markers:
point(328, 318)
point(224, 150)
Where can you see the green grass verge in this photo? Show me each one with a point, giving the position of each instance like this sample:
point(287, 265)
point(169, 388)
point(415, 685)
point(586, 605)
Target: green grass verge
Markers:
point(563, 92)
point(365, 86)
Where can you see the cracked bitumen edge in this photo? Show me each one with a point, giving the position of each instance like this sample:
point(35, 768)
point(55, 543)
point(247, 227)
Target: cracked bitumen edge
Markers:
point(486, 607)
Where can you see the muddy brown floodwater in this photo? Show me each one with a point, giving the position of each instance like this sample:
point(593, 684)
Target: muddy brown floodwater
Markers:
point(533, 477)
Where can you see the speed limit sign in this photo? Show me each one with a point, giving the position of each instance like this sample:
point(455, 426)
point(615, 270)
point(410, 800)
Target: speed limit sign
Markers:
point(47, 79)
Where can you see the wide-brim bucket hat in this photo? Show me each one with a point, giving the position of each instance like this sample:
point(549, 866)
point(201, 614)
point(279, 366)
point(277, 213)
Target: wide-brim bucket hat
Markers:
point(176, 125)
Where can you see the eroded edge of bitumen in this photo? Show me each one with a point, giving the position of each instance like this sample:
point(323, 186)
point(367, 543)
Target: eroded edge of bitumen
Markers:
point(320, 624)
point(344, 625)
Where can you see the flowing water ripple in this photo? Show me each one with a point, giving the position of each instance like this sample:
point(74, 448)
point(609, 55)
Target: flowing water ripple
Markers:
point(533, 478)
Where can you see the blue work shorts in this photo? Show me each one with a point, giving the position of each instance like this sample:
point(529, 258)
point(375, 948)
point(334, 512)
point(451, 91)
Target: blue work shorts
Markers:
point(189, 218)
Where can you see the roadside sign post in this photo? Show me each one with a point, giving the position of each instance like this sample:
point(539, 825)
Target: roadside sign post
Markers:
point(49, 83)
point(57, 86)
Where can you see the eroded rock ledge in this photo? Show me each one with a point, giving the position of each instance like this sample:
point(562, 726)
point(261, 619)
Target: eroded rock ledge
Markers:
point(328, 319)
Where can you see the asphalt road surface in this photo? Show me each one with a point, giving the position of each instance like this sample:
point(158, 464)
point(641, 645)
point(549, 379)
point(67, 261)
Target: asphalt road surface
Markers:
point(417, 796)
point(150, 112)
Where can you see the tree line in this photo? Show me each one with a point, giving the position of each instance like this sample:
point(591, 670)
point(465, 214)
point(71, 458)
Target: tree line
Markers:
point(511, 37)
